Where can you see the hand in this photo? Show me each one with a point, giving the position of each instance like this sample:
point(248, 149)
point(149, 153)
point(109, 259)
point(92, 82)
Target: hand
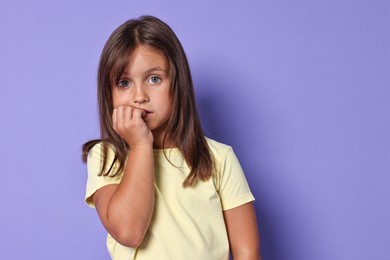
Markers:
point(128, 122)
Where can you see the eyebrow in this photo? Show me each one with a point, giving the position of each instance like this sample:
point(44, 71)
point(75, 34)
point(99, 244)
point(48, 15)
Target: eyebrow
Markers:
point(155, 69)
point(148, 71)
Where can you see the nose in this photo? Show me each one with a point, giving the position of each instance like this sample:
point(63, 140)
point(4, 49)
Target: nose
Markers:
point(140, 96)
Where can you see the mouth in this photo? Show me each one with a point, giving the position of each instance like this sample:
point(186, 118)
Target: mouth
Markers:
point(147, 113)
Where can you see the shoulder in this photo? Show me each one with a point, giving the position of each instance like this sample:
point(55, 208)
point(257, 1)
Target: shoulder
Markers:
point(229, 178)
point(218, 149)
point(102, 155)
point(216, 146)
point(98, 150)
point(101, 172)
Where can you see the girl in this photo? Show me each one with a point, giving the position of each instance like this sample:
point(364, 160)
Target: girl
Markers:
point(161, 188)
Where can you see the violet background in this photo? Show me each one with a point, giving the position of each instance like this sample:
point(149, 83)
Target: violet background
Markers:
point(300, 89)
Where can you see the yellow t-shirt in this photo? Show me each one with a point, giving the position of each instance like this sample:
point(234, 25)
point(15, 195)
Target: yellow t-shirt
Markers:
point(187, 223)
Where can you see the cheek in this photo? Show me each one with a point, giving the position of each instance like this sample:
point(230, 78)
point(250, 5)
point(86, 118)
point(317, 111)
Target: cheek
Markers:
point(169, 104)
point(119, 99)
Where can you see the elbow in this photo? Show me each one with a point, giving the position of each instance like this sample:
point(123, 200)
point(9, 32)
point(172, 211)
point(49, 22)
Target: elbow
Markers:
point(129, 237)
point(129, 232)
point(247, 253)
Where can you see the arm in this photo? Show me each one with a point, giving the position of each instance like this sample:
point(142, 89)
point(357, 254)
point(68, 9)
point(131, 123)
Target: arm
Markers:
point(242, 232)
point(126, 209)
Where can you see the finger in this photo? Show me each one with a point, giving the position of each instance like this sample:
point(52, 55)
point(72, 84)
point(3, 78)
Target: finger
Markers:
point(143, 113)
point(119, 117)
point(139, 113)
point(127, 113)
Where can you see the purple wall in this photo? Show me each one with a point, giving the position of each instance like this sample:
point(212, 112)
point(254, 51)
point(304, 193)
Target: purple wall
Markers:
point(300, 89)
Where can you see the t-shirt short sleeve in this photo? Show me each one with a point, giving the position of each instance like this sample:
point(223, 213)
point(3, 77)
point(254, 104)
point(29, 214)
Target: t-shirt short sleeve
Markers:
point(95, 179)
point(233, 187)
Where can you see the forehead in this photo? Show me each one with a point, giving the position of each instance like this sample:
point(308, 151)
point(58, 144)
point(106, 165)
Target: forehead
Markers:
point(145, 58)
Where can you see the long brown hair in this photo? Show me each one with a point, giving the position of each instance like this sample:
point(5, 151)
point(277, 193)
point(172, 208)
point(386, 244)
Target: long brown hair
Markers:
point(183, 127)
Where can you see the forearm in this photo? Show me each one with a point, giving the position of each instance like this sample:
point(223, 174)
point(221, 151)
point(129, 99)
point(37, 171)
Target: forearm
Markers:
point(130, 208)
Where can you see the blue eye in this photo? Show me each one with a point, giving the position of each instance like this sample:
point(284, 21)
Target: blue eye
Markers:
point(154, 80)
point(123, 83)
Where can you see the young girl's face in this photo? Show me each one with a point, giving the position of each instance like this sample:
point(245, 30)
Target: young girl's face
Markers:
point(145, 84)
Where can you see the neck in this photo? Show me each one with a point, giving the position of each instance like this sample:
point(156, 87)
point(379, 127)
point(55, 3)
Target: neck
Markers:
point(160, 143)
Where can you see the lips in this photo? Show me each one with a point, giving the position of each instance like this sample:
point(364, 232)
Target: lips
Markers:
point(147, 114)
